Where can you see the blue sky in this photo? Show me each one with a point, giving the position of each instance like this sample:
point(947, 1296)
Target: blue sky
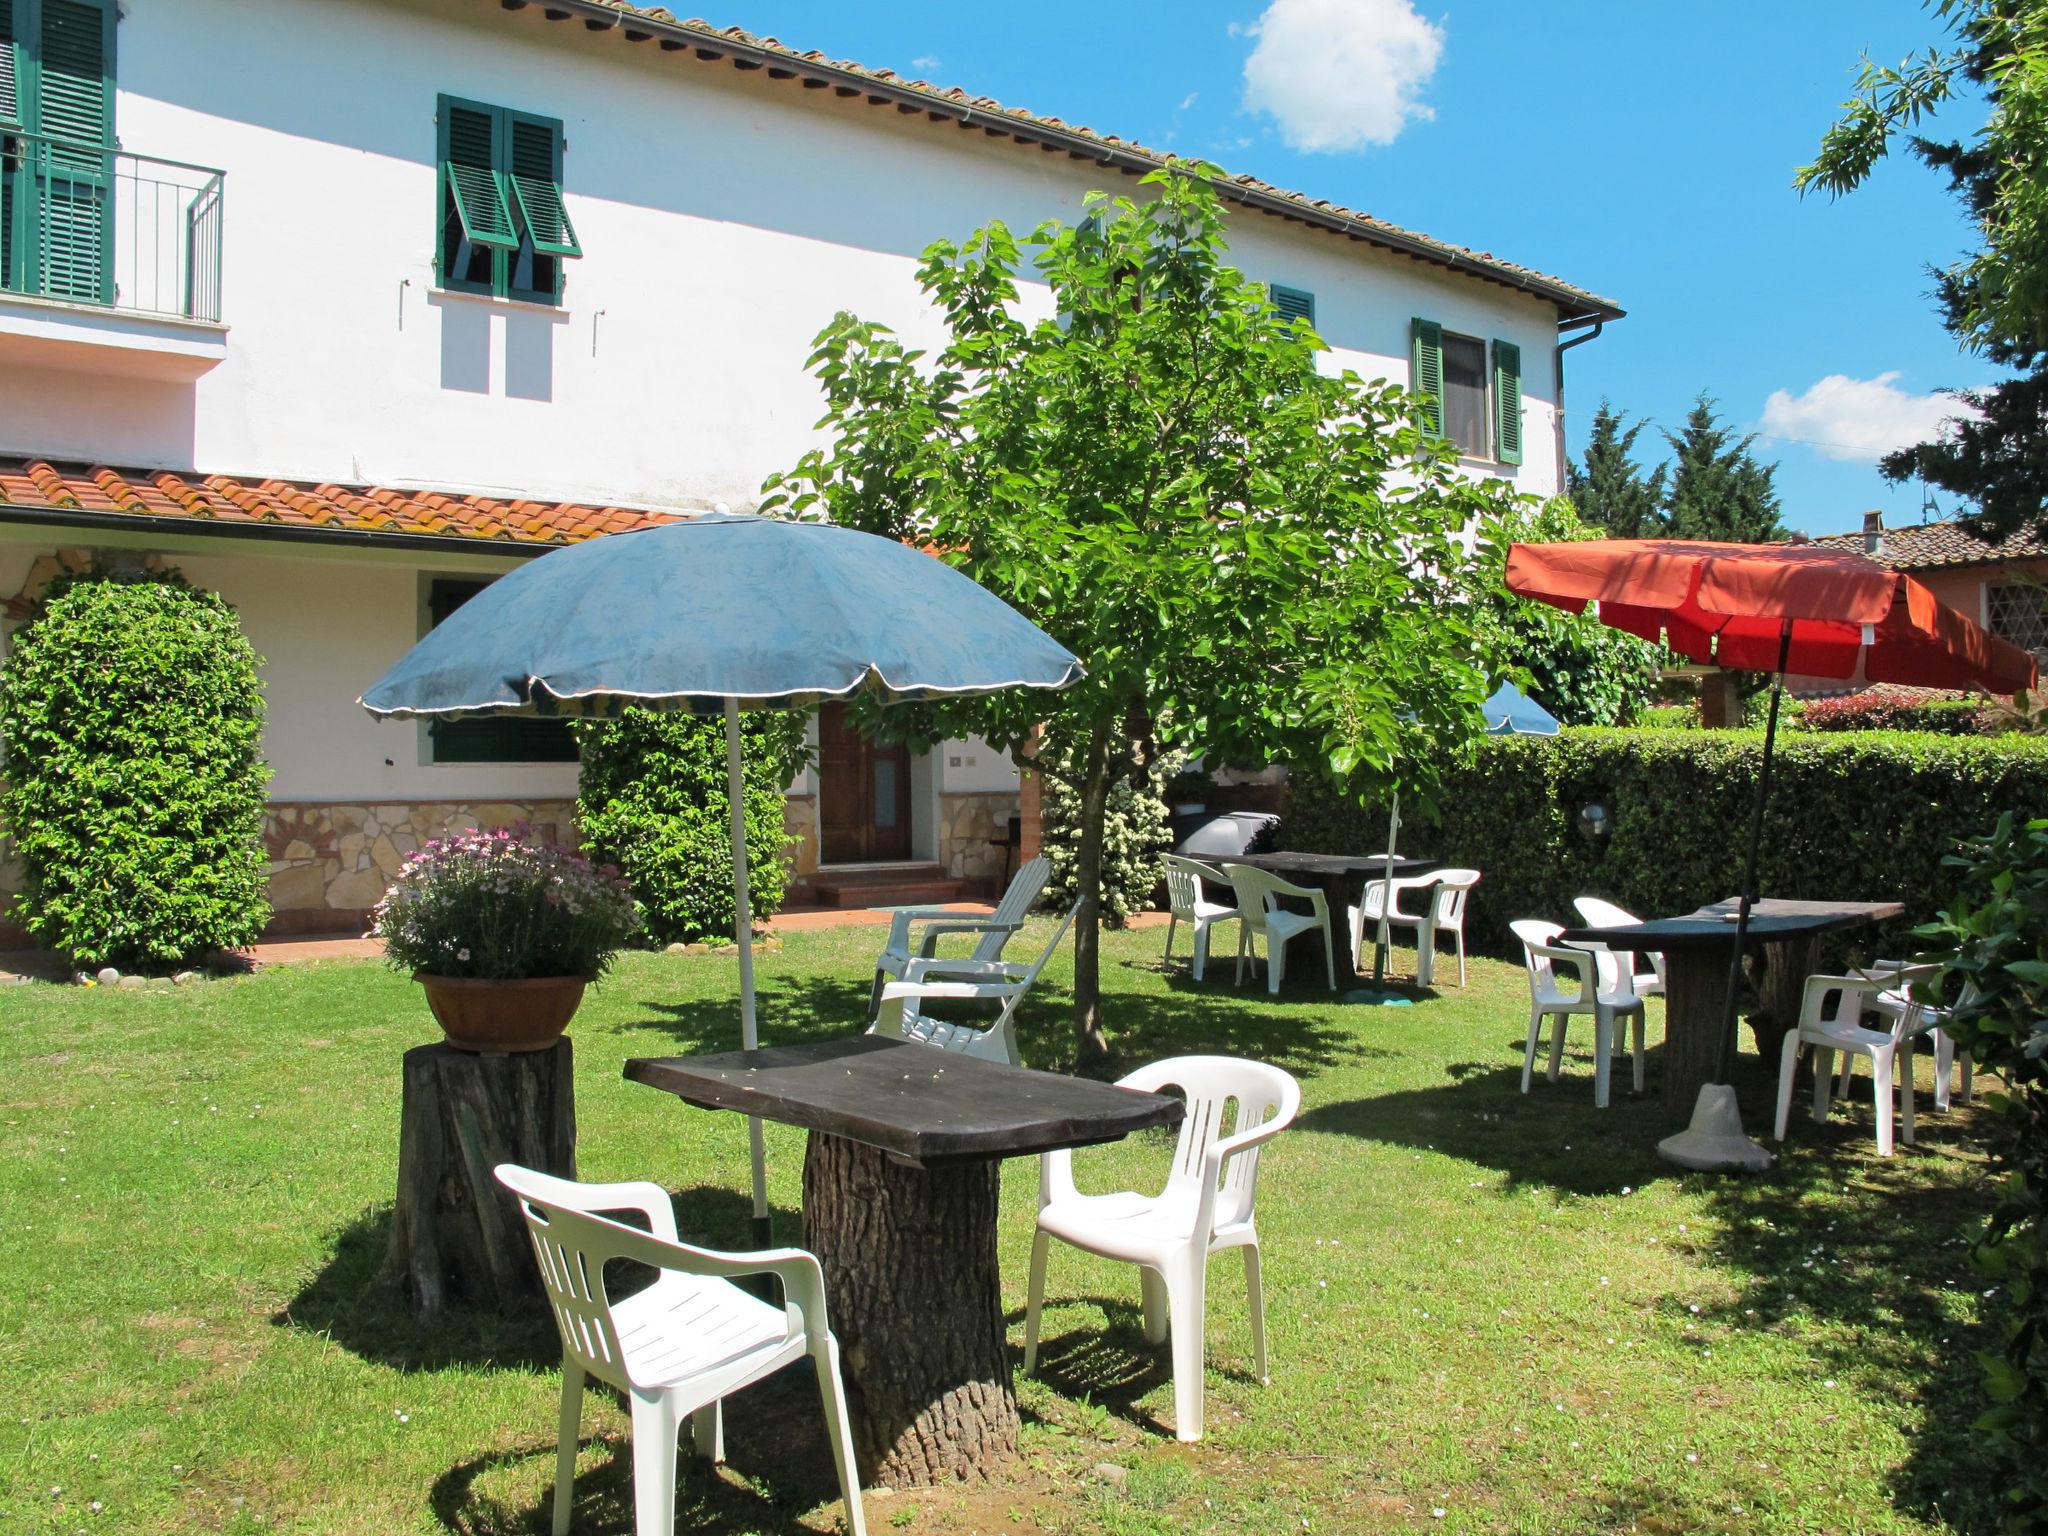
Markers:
point(1642, 150)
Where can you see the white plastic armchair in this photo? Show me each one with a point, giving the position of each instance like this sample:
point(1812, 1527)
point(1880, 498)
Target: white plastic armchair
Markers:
point(1259, 912)
point(677, 1347)
point(1605, 914)
point(914, 932)
point(1826, 1030)
point(902, 1017)
point(1901, 1000)
point(1596, 987)
point(1205, 1208)
point(1365, 917)
point(1188, 898)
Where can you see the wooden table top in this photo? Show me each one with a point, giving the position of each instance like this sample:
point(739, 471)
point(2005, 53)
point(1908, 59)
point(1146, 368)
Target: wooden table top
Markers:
point(918, 1103)
point(1330, 864)
point(1713, 926)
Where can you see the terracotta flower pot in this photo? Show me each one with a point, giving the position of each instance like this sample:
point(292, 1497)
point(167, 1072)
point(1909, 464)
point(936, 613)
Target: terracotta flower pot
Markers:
point(495, 1016)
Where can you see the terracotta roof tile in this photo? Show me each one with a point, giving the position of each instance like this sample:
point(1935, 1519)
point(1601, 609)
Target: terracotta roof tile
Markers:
point(1364, 225)
point(37, 485)
point(1928, 546)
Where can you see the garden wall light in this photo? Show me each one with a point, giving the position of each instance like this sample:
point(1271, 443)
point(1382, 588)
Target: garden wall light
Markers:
point(1595, 825)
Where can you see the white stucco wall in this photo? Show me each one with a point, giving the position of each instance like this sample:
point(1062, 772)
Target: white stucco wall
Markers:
point(726, 217)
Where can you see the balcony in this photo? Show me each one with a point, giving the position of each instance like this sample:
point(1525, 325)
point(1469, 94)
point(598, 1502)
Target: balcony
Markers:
point(109, 262)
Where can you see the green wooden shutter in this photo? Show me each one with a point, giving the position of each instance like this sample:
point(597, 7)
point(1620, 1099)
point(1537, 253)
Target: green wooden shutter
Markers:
point(10, 69)
point(1293, 303)
point(536, 176)
point(1426, 380)
point(470, 156)
point(1507, 402)
point(71, 100)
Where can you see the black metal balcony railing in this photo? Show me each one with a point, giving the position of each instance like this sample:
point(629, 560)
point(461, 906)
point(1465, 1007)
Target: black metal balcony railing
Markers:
point(96, 226)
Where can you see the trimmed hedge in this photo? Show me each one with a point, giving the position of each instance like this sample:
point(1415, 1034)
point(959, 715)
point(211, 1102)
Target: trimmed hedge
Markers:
point(1865, 815)
point(1903, 709)
point(132, 719)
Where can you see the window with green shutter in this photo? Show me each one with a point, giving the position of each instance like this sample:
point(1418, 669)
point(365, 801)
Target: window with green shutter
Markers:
point(1293, 303)
point(491, 738)
point(1507, 402)
point(504, 228)
point(56, 172)
point(1426, 374)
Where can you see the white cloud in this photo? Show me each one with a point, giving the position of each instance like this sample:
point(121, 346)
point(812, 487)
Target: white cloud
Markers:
point(1845, 418)
point(1341, 74)
point(925, 62)
point(1188, 100)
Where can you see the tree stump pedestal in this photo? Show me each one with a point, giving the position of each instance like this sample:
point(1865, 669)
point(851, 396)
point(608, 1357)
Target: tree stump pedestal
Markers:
point(915, 1299)
point(456, 1233)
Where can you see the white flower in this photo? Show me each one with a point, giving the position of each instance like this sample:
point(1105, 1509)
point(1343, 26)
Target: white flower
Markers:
point(462, 954)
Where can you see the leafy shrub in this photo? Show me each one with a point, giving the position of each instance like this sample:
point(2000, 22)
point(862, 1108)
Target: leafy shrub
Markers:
point(1886, 708)
point(1995, 937)
point(497, 907)
point(652, 799)
point(1135, 834)
point(1670, 717)
point(1857, 816)
point(132, 719)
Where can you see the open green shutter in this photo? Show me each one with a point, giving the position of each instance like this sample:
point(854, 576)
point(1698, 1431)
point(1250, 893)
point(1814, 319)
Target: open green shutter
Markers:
point(469, 159)
point(1507, 402)
point(10, 69)
point(73, 103)
point(536, 163)
point(1426, 379)
point(1293, 303)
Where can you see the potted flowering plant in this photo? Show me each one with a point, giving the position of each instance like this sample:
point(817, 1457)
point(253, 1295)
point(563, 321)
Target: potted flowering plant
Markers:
point(504, 934)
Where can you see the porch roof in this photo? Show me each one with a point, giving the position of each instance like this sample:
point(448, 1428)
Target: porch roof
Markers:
point(95, 495)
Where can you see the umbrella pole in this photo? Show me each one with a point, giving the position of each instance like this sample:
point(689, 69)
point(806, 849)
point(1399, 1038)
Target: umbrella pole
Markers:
point(1383, 934)
point(743, 936)
point(1748, 893)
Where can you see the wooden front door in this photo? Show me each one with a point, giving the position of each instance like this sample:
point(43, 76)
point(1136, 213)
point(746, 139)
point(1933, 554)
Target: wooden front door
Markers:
point(863, 794)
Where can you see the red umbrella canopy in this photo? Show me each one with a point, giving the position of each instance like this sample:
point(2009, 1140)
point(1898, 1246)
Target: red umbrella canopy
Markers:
point(1733, 605)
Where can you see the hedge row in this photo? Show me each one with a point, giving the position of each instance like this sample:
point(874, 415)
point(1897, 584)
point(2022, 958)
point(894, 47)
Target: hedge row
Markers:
point(1858, 816)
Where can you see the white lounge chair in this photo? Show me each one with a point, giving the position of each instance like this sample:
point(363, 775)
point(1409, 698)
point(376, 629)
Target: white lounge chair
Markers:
point(1188, 898)
point(1205, 1208)
point(902, 1017)
point(914, 932)
point(677, 1347)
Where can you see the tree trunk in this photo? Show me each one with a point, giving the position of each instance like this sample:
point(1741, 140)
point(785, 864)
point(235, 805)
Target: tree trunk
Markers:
point(914, 1297)
point(1089, 1042)
point(456, 1233)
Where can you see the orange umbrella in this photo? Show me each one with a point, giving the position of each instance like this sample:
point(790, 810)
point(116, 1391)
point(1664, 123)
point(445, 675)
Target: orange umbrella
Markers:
point(1799, 608)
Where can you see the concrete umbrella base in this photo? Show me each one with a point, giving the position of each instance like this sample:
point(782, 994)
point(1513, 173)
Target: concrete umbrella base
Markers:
point(1714, 1142)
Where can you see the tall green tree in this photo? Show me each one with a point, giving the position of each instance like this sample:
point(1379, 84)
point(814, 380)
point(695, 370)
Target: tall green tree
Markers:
point(1995, 298)
point(1248, 554)
point(1610, 490)
point(1718, 488)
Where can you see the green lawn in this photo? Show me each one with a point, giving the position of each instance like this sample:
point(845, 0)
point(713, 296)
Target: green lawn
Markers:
point(1488, 1312)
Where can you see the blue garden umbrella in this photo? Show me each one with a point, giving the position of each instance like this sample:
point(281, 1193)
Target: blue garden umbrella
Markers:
point(1508, 712)
point(715, 614)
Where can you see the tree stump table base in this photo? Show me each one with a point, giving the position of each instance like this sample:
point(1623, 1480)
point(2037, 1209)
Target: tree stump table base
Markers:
point(456, 1233)
point(913, 1292)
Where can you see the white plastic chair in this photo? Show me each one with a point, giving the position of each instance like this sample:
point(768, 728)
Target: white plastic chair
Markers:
point(1189, 902)
point(679, 1346)
point(1898, 1004)
point(1597, 988)
point(1605, 914)
point(1260, 913)
point(1205, 1208)
point(1826, 1031)
point(905, 946)
point(1444, 912)
point(1365, 917)
point(902, 1019)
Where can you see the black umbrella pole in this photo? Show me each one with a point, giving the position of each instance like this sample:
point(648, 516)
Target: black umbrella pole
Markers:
point(1748, 893)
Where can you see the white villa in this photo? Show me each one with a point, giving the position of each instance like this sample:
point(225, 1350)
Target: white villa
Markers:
point(345, 307)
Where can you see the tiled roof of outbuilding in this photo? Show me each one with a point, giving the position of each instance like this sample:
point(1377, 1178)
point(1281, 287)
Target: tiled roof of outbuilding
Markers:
point(37, 485)
point(884, 87)
point(1928, 546)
